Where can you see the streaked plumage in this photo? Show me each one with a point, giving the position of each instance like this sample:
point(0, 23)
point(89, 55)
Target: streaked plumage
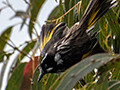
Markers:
point(62, 49)
point(49, 31)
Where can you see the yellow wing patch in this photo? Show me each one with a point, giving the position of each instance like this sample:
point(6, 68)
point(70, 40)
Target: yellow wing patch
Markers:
point(46, 37)
point(91, 20)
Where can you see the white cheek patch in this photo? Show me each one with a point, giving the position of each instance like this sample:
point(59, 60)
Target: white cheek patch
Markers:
point(60, 62)
point(49, 69)
point(57, 57)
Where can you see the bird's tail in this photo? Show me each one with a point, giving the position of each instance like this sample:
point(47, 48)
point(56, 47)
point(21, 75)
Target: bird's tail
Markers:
point(95, 10)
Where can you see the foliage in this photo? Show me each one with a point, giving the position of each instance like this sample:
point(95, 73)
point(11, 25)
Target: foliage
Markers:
point(79, 76)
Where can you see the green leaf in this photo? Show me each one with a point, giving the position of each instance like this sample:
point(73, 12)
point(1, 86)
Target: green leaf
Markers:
point(88, 86)
point(89, 77)
point(116, 74)
point(70, 14)
point(34, 12)
point(57, 81)
point(48, 82)
point(4, 36)
point(51, 79)
point(61, 8)
point(57, 12)
point(114, 85)
point(114, 25)
point(76, 13)
point(2, 53)
point(102, 83)
point(15, 81)
point(83, 7)
point(104, 32)
point(66, 5)
point(54, 14)
point(81, 69)
point(20, 56)
point(26, 50)
point(35, 84)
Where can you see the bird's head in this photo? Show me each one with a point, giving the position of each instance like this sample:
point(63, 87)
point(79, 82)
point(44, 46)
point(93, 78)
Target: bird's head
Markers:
point(46, 65)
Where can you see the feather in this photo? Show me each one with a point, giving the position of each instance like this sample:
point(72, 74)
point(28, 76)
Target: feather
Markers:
point(49, 31)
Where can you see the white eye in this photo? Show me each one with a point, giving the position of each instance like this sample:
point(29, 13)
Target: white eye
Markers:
point(49, 69)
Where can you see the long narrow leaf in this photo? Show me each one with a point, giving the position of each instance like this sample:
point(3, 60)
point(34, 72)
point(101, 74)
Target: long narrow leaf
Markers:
point(70, 15)
point(34, 12)
point(114, 85)
point(15, 81)
point(54, 14)
point(81, 69)
point(35, 84)
point(114, 25)
point(26, 50)
point(5, 36)
point(102, 83)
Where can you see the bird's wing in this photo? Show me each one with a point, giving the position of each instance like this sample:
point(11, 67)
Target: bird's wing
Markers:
point(48, 32)
point(78, 35)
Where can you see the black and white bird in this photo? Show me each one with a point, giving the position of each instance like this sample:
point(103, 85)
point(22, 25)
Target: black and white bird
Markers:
point(62, 47)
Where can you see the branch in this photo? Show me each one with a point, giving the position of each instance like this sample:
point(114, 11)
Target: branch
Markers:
point(56, 20)
point(15, 48)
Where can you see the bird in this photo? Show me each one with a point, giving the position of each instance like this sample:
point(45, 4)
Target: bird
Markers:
point(62, 47)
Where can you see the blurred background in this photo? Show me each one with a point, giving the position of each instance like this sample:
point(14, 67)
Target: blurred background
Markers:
point(18, 35)
point(20, 26)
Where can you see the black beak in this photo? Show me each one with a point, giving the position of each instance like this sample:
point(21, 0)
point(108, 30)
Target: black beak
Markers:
point(42, 73)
